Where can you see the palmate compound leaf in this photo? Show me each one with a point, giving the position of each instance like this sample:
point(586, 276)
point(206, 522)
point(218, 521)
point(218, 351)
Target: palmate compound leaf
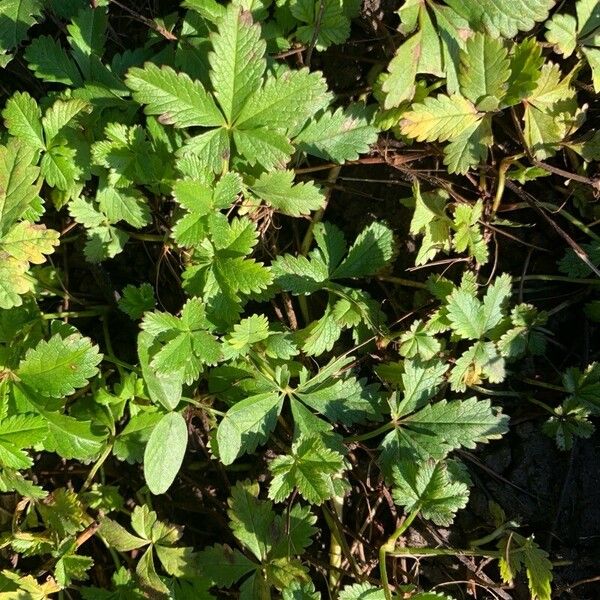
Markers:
point(505, 18)
point(311, 468)
point(164, 452)
point(436, 489)
point(59, 366)
point(441, 118)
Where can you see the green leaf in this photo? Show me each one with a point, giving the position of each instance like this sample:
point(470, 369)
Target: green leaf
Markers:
point(22, 118)
point(173, 96)
point(362, 591)
point(484, 68)
point(311, 468)
point(441, 118)
point(237, 61)
point(164, 452)
point(371, 251)
point(59, 366)
point(251, 519)
point(439, 428)
point(505, 18)
point(17, 178)
point(339, 136)
point(223, 565)
point(286, 101)
point(267, 147)
point(16, 17)
point(136, 300)
point(400, 84)
point(277, 189)
point(326, 22)
point(87, 36)
point(71, 438)
point(584, 387)
point(29, 242)
point(247, 424)
point(525, 68)
point(561, 32)
point(431, 488)
point(420, 382)
point(472, 319)
point(50, 62)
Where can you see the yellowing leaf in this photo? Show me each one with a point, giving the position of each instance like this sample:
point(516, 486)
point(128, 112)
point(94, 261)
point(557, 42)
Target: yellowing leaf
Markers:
point(441, 118)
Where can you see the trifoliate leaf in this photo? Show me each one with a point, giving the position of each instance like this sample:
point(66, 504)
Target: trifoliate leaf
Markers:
point(164, 452)
point(277, 189)
point(484, 68)
point(338, 136)
point(327, 23)
point(549, 111)
point(584, 387)
point(174, 97)
point(472, 319)
point(59, 366)
point(430, 488)
point(441, 118)
point(247, 332)
point(311, 468)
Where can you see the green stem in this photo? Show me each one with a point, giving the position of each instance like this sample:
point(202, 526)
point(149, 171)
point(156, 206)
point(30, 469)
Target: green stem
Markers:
point(95, 468)
point(557, 278)
point(545, 406)
point(75, 314)
point(504, 166)
point(418, 552)
point(490, 537)
point(201, 406)
point(371, 434)
point(147, 237)
point(405, 282)
point(389, 549)
point(542, 384)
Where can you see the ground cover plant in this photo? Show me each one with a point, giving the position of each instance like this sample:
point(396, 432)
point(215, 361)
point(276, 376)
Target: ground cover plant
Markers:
point(298, 299)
